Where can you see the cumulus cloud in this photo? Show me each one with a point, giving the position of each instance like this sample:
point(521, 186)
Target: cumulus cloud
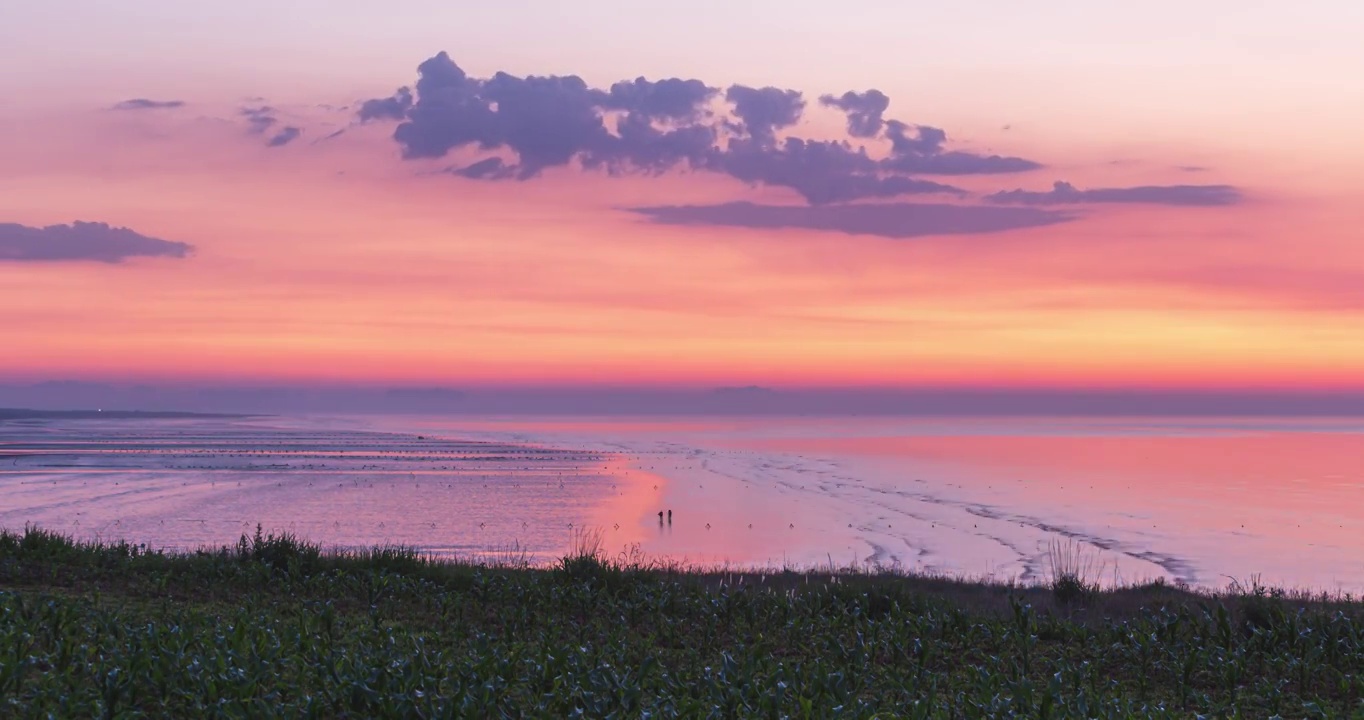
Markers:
point(864, 111)
point(95, 241)
point(1063, 193)
point(652, 126)
point(389, 108)
point(761, 112)
point(891, 220)
point(669, 99)
point(145, 104)
point(284, 136)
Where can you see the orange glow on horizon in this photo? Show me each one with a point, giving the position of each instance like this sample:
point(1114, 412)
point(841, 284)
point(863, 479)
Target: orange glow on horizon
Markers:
point(375, 274)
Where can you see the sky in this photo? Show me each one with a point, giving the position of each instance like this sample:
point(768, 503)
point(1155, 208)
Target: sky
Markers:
point(982, 194)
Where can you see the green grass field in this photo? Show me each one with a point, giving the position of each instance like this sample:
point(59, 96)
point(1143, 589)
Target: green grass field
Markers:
point(276, 628)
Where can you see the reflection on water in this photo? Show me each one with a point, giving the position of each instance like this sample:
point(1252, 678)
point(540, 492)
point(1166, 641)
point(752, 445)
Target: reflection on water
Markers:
point(1194, 500)
point(185, 484)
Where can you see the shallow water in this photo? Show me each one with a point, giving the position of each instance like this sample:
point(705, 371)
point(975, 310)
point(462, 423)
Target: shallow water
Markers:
point(1200, 501)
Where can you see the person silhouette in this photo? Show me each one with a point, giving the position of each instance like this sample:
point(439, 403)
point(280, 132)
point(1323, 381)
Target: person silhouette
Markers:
point(670, 517)
point(660, 517)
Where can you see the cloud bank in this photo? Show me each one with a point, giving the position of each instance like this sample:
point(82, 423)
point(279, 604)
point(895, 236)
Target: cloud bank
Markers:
point(145, 104)
point(78, 241)
point(891, 220)
point(651, 126)
point(1063, 193)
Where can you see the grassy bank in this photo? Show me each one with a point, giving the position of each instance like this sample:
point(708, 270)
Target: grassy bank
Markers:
point(276, 628)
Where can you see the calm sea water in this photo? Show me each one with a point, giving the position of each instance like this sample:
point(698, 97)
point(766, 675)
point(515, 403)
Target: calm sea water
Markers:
point(1201, 501)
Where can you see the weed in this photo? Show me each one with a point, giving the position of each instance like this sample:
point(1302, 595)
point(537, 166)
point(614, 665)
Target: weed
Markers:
point(1073, 571)
point(276, 627)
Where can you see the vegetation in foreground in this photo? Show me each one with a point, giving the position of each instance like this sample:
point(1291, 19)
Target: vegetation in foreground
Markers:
point(276, 628)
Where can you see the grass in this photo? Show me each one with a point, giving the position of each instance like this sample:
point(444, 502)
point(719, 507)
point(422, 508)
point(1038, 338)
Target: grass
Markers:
point(276, 627)
point(1074, 572)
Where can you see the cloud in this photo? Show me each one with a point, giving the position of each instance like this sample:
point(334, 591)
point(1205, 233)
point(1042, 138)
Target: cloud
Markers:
point(534, 123)
point(763, 111)
point(640, 145)
point(261, 118)
point(546, 121)
point(864, 111)
point(448, 114)
point(389, 108)
point(82, 241)
point(921, 152)
point(891, 220)
point(669, 99)
point(145, 104)
point(284, 136)
point(258, 119)
point(489, 169)
point(821, 171)
point(1063, 193)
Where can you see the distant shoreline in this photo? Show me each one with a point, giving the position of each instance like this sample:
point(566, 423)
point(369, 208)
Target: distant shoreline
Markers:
point(27, 414)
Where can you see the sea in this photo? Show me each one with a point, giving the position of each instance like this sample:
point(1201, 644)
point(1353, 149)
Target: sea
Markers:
point(1207, 502)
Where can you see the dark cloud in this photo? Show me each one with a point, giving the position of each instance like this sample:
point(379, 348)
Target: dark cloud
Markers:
point(891, 220)
point(821, 171)
point(534, 123)
point(548, 121)
point(145, 104)
point(671, 99)
point(82, 241)
point(918, 149)
point(1063, 193)
point(259, 119)
point(925, 140)
point(960, 163)
point(389, 108)
point(763, 111)
point(440, 73)
point(864, 111)
point(447, 114)
point(489, 169)
point(545, 120)
point(285, 136)
point(640, 145)
point(638, 125)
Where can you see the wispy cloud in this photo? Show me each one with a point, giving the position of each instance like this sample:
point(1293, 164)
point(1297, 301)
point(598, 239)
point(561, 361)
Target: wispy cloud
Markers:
point(259, 119)
point(1063, 193)
point(284, 136)
point(78, 241)
point(145, 104)
point(891, 220)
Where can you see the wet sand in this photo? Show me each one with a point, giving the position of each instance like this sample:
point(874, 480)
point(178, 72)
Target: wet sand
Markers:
point(186, 484)
point(1197, 502)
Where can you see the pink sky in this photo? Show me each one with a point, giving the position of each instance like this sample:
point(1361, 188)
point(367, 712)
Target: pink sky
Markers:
point(338, 260)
